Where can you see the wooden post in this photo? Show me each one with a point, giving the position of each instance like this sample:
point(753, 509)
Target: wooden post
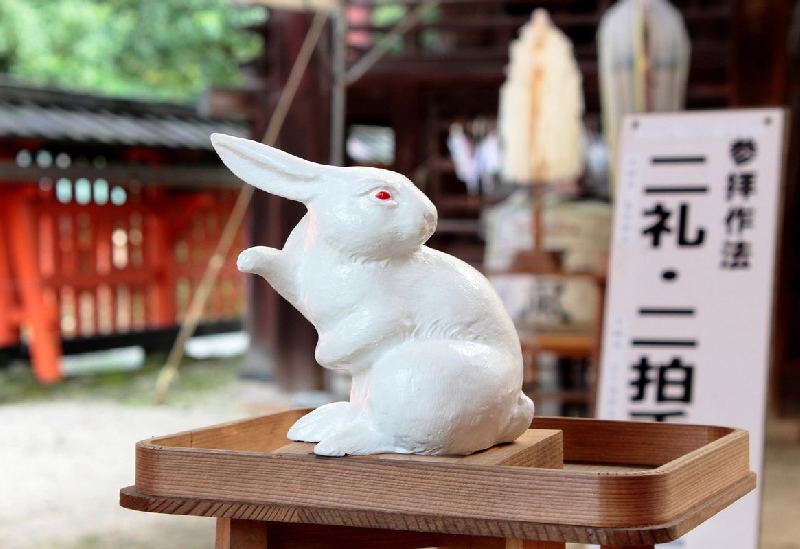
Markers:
point(254, 534)
point(282, 341)
point(241, 534)
point(537, 196)
point(407, 121)
point(599, 319)
point(533, 544)
point(465, 542)
point(784, 383)
point(161, 259)
point(760, 31)
point(40, 318)
point(537, 261)
point(9, 314)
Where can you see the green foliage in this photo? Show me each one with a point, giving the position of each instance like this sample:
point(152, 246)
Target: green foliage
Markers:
point(387, 14)
point(169, 49)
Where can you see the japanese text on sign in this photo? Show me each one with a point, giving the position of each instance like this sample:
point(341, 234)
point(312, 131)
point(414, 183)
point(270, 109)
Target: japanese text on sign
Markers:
point(687, 324)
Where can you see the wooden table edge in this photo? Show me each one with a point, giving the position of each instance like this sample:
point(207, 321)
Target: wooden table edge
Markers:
point(132, 498)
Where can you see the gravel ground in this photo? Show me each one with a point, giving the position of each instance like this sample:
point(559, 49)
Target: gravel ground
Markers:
point(62, 464)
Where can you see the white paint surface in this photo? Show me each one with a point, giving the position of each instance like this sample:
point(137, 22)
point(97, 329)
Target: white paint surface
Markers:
point(435, 358)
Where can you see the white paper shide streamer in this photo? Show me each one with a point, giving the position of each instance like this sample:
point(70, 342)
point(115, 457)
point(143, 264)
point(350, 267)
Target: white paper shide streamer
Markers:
point(541, 107)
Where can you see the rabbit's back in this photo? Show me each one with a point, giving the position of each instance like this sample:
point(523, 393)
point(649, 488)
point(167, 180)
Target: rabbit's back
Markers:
point(452, 300)
point(428, 295)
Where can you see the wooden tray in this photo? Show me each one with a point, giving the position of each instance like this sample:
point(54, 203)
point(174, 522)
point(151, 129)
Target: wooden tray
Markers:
point(623, 483)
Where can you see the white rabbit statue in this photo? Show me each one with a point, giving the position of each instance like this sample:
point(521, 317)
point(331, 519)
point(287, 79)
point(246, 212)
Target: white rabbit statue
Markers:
point(435, 359)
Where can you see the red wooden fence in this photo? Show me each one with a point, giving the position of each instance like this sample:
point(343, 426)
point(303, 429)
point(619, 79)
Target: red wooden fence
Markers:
point(89, 258)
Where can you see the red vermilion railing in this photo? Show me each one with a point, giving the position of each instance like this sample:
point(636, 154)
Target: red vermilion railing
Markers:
point(87, 258)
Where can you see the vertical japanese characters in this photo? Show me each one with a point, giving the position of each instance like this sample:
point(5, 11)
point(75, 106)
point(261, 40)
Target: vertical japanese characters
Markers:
point(666, 386)
point(737, 249)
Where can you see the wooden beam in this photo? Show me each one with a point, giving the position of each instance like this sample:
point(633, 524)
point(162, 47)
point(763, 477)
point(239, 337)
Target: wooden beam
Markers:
point(170, 176)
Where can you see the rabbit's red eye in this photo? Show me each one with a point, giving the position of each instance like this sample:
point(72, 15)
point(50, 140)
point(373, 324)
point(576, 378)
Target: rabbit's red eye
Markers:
point(383, 195)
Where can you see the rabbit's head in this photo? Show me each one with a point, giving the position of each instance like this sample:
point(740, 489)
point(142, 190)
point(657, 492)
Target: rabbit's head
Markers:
point(367, 213)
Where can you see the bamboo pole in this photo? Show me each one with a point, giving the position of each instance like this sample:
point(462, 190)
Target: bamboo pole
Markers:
point(170, 369)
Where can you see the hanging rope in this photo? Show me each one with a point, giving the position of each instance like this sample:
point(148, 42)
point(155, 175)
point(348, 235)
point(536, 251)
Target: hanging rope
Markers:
point(200, 297)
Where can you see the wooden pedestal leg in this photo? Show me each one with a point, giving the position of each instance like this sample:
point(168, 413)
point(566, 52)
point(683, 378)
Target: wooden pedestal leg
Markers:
point(253, 534)
point(241, 534)
point(474, 542)
point(627, 547)
point(469, 542)
point(532, 544)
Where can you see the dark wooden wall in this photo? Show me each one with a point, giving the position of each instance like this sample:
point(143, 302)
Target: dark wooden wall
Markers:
point(785, 378)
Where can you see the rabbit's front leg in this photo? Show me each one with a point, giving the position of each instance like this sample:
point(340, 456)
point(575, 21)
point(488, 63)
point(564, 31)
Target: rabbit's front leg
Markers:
point(272, 265)
point(339, 349)
point(347, 345)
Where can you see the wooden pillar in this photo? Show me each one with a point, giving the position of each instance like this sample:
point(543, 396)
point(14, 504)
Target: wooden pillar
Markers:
point(760, 52)
point(241, 534)
point(37, 314)
point(785, 375)
point(766, 74)
point(282, 341)
point(627, 547)
point(254, 534)
point(161, 257)
point(9, 313)
point(533, 544)
point(407, 120)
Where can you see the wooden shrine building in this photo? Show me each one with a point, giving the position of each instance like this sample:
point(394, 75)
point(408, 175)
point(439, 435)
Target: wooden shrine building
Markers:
point(109, 212)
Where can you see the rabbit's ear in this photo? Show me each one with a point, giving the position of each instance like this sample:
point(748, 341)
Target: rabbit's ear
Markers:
point(267, 168)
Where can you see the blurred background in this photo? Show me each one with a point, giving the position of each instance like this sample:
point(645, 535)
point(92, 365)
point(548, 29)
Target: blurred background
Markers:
point(113, 206)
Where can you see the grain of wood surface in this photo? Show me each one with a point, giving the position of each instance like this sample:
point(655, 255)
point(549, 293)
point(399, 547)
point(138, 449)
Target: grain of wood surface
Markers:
point(672, 478)
point(535, 448)
point(540, 448)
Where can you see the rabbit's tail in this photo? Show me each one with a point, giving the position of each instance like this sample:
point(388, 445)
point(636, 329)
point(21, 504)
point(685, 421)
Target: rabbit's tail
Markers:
point(521, 417)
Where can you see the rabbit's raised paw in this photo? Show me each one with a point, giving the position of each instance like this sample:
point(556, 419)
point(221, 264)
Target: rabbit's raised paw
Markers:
point(256, 259)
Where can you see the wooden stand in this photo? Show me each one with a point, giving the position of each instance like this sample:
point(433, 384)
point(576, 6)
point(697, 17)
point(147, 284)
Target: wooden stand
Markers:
point(567, 480)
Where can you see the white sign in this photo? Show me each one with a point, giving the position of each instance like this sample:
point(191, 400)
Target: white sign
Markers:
point(688, 317)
